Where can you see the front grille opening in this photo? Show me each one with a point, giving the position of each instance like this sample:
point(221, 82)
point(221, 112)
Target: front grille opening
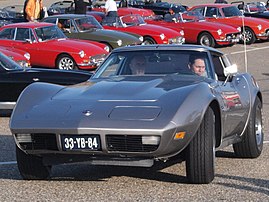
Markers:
point(41, 141)
point(128, 143)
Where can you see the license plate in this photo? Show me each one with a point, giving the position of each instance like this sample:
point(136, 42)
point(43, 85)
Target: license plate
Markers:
point(80, 142)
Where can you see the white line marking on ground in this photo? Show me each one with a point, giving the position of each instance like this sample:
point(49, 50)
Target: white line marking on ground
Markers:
point(254, 49)
point(8, 163)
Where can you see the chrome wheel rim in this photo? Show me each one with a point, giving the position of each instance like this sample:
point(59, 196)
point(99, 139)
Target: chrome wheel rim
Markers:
point(258, 127)
point(248, 36)
point(205, 41)
point(66, 63)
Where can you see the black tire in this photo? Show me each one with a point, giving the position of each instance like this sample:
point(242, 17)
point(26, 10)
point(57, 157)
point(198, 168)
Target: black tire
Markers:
point(31, 167)
point(252, 139)
point(66, 62)
point(148, 40)
point(206, 39)
point(200, 153)
point(249, 36)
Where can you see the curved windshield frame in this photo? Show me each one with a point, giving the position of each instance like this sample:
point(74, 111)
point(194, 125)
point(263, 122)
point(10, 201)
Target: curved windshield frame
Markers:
point(157, 62)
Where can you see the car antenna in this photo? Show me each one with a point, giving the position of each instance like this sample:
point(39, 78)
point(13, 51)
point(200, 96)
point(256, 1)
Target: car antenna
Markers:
point(244, 42)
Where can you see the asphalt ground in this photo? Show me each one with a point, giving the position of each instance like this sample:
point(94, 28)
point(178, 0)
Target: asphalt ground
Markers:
point(236, 179)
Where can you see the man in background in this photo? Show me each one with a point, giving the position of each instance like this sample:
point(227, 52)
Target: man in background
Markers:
point(33, 10)
point(81, 6)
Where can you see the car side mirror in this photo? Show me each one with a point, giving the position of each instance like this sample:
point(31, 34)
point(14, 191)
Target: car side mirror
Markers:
point(214, 16)
point(230, 70)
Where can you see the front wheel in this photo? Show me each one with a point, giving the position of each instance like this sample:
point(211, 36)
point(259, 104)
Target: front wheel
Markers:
point(248, 36)
point(252, 139)
point(31, 167)
point(200, 153)
point(148, 40)
point(65, 62)
point(205, 39)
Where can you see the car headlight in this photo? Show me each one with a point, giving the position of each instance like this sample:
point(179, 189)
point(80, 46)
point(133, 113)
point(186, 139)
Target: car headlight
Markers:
point(259, 27)
point(181, 32)
point(23, 63)
point(81, 54)
point(141, 38)
point(119, 42)
point(239, 29)
point(162, 36)
point(27, 56)
point(107, 49)
point(219, 32)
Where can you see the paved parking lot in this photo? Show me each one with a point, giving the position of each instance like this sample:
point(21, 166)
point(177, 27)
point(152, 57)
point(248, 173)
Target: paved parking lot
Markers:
point(236, 179)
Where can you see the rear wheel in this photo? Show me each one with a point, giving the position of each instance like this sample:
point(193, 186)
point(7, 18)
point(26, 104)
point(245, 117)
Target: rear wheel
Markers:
point(148, 40)
point(205, 39)
point(249, 36)
point(252, 140)
point(66, 62)
point(200, 156)
point(31, 167)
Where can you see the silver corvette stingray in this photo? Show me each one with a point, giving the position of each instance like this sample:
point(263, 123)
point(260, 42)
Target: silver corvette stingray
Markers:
point(144, 103)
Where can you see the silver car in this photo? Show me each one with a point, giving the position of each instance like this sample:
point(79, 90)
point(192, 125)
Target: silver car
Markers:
point(118, 118)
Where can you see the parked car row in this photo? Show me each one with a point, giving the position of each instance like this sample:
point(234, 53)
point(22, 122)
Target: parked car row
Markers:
point(208, 24)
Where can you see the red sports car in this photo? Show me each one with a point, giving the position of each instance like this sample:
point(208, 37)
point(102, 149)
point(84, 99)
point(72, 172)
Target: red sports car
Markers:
point(19, 56)
point(252, 28)
point(199, 31)
point(50, 48)
point(153, 34)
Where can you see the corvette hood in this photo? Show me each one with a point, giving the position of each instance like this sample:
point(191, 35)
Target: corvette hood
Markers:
point(126, 88)
point(119, 102)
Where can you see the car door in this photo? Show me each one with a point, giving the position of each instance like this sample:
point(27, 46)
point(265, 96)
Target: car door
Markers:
point(234, 97)
point(25, 40)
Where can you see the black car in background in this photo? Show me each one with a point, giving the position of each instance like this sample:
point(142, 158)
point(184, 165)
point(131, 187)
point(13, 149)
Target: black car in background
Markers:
point(14, 78)
point(159, 8)
point(252, 9)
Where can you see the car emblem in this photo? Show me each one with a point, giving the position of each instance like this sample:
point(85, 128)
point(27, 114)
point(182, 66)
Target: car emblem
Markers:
point(87, 112)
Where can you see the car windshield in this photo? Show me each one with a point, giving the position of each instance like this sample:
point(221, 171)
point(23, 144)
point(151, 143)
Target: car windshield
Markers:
point(131, 20)
point(231, 11)
point(255, 7)
point(8, 64)
point(49, 33)
point(191, 16)
point(157, 62)
point(87, 24)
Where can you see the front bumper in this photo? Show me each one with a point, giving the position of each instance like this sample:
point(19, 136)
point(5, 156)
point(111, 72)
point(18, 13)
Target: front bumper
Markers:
point(230, 39)
point(118, 147)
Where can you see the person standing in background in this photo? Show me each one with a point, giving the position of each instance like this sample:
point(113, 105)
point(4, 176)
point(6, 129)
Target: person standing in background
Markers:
point(33, 10)
point(111, 9)
point(81, 6)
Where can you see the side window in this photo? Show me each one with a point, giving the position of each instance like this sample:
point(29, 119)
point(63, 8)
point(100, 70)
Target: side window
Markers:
point(66, 25)
point(211, 12)
point(7, 33)
point(219, 66)
point(22, 34)
point(199, 10)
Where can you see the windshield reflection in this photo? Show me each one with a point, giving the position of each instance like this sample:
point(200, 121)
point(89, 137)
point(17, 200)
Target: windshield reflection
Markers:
point(8, 64)
point(87, 24)
point(49, 33)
